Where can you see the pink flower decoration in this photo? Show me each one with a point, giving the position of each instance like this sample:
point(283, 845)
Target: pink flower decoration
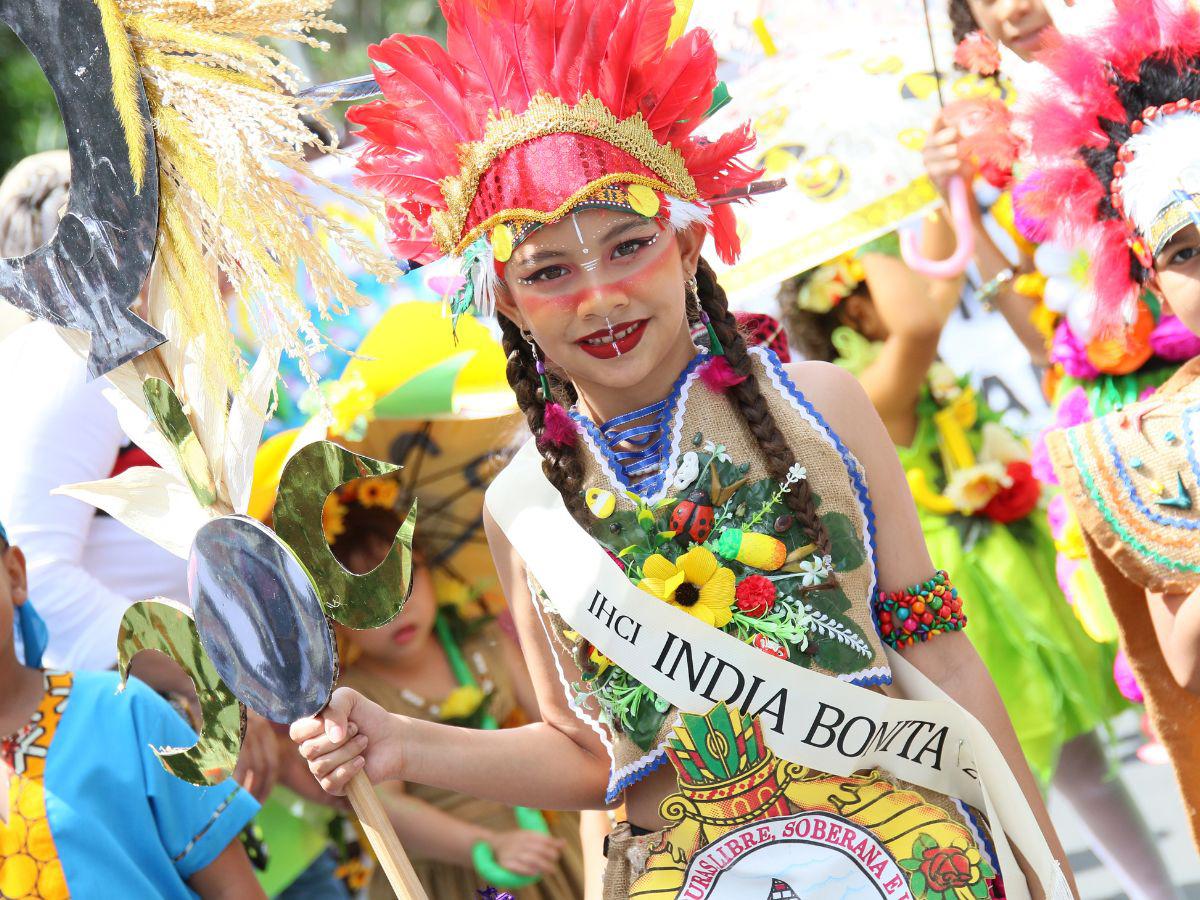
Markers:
point(1039, 459)
point(719, 376)
point(1126, 680)
point(1058, 514)
point(1172, 341)
point(1071, 353)
point(1073, 410)
point(977, 53)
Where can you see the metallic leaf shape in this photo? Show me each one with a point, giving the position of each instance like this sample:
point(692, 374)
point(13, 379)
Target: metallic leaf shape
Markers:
point(356, 601)
point(168, 627)
point(89, 274)
point(176, 428)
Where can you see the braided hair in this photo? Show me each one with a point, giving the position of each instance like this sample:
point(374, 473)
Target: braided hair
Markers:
point(961, 19)
point(563, 466)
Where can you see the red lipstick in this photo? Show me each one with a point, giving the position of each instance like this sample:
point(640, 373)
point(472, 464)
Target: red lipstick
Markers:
point(617, 341)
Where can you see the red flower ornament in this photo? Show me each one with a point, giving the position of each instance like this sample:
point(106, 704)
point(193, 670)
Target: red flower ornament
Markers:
point(1018, 500)
point(756, 596)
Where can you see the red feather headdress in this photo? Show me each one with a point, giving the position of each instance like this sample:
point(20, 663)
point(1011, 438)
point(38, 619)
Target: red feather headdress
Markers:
point(535, 107)
point(1113, 137)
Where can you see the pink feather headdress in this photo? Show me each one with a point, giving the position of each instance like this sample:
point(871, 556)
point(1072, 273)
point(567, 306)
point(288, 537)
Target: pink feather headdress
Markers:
point(536, 107)
point(1114, 149)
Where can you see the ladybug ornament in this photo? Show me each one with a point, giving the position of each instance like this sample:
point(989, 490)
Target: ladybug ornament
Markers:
point(693, 518)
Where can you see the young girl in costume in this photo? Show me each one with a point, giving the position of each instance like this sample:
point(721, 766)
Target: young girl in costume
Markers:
point(87, 808)
point(980, 512)
point(445, 659)
point(751, 516)
point(1114, 156)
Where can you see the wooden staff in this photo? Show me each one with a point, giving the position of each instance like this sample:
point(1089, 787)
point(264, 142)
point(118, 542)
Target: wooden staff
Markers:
point(388, 850)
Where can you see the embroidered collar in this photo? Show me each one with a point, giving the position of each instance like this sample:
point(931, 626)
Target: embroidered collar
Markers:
point(639, 445)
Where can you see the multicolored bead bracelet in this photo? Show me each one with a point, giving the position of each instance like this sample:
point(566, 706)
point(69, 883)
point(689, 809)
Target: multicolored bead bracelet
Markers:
point(919, 613)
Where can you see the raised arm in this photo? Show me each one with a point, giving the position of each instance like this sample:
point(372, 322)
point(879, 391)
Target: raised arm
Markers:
point(913, 310)
point(949, 660)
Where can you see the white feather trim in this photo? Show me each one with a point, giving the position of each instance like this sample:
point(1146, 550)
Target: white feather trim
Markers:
point(1166, 157)
point(684, 215)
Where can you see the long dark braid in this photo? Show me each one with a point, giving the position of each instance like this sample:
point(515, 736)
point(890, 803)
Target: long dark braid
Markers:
point(748, 400)
point(961, 19)
point(562, 465)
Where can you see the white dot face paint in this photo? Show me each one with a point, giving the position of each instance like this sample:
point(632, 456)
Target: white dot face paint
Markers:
point(612, 334)
point(579, 234)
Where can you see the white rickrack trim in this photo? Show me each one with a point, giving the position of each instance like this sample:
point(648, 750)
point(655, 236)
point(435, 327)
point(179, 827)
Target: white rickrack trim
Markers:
point(568, 692)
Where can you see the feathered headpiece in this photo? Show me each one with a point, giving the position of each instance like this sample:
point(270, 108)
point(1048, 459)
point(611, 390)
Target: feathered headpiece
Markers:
point(1116, 144)
point(535, 108)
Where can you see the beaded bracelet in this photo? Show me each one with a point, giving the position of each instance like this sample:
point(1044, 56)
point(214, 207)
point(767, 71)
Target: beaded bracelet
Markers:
point(919, 613)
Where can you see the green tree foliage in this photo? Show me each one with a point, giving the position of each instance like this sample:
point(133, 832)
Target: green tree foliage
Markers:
point(30, 112)
point(32, 122)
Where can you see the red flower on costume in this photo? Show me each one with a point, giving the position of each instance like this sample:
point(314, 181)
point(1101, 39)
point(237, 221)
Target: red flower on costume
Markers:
point(978, 53)
point(946, 868)
point(1019, 499)
point(756, 596)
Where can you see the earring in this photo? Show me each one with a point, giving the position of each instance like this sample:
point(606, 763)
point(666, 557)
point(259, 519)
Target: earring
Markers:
point(692, 287)
point(558, 429)
point(34, 634)
point(539, 366)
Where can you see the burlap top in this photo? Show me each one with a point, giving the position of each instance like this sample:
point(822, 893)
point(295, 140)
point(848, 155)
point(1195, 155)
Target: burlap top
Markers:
point(1133, 479)
point(831, 470)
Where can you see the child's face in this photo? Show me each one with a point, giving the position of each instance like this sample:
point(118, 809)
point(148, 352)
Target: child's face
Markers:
point(1177, 269)
point(408, 632)
point(13, 592)
point(1019, 25)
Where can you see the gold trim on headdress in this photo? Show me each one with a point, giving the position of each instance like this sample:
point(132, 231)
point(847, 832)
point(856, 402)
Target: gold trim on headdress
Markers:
point(544, 116)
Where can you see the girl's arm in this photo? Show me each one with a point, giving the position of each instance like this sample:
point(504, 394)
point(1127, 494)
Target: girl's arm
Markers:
point(228, 877)
point(1176, 619)
point(431, 833)
point(558, 763)
point(949, 660)
point(913, 310)
point(943, 162)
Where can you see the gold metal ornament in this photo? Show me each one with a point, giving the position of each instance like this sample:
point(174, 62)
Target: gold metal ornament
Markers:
point(356, 601)
point(168, 627)
point(547, 115)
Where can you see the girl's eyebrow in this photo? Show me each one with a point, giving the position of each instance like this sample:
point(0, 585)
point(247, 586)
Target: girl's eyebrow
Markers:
point(550, 253)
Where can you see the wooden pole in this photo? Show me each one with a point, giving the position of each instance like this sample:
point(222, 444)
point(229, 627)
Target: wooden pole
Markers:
point(388, 850)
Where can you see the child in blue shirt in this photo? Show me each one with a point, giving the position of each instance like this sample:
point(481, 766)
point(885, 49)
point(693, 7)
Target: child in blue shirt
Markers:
point(86, 808)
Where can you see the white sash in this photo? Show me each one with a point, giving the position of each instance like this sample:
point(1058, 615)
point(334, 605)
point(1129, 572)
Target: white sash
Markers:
point(809, 719)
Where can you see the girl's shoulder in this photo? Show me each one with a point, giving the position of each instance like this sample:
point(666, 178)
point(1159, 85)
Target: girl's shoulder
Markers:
point(837, 396)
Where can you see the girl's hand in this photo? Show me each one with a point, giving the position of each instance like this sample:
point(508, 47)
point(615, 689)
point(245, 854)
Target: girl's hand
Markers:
point(351, 734)
point(942, 159)
point(527, 853)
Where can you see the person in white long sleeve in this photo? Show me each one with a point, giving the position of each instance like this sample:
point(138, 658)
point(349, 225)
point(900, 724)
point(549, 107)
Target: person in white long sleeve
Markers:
point(59, 429)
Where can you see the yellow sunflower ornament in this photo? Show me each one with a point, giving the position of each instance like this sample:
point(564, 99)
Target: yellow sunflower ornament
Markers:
point(695, 583)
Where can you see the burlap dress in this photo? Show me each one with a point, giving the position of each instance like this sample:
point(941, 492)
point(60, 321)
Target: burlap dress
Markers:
point(699, 417)
point(1133, 480)
point(485, 656)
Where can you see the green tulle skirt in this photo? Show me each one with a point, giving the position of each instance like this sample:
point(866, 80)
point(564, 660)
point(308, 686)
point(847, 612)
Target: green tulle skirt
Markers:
point(1055, 681)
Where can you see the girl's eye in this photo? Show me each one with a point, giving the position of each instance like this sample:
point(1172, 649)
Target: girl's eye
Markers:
point(632, 246)
point(1183, 255)
point(549, 273)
